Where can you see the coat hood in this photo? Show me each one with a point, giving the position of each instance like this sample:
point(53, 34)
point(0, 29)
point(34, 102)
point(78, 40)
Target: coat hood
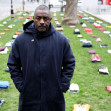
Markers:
point(29, 27)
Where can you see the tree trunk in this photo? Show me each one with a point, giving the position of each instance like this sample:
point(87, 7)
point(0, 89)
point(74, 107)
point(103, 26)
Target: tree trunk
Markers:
point(70, 17)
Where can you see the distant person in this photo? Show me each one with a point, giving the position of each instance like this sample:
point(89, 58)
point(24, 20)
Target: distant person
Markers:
point(41, 64)
point(102, 2)
point(49, 6)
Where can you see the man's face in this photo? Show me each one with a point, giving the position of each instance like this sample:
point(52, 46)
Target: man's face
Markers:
point(42, 20)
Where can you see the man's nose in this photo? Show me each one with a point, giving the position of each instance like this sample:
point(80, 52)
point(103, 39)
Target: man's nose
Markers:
point(41, 21)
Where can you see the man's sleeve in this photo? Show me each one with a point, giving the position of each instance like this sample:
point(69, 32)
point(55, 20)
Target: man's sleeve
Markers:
point(68, 66)
point(14, 65)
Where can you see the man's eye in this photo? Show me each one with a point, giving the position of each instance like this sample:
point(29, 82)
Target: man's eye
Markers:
point(38, 18)
point(46, 18)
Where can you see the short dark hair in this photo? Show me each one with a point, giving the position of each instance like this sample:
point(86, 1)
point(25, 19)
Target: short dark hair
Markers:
point(44, 8)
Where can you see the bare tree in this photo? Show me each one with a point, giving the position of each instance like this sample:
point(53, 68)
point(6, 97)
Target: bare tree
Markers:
point(70, 17)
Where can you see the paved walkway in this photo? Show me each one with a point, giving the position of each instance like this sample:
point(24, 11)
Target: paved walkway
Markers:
point(5, 9)
point(104, 17)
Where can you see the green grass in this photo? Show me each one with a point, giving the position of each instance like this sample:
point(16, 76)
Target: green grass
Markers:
point(92, 85)
point(11, 94)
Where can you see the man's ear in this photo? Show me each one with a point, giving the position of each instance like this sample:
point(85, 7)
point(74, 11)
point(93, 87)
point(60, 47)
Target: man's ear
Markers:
point(50, 18)
point(33, 17)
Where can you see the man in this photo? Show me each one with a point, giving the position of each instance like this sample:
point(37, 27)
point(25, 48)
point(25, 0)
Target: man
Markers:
point(49, 6)
point(41, 64)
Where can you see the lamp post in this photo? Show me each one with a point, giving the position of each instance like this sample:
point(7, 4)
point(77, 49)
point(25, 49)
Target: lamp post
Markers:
point(23, 2)
point(11, 7)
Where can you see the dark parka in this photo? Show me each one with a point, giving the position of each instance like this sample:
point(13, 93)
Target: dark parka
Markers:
point(41, 66)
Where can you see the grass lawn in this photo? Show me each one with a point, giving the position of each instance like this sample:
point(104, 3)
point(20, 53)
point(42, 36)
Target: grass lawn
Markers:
point(92, 85)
